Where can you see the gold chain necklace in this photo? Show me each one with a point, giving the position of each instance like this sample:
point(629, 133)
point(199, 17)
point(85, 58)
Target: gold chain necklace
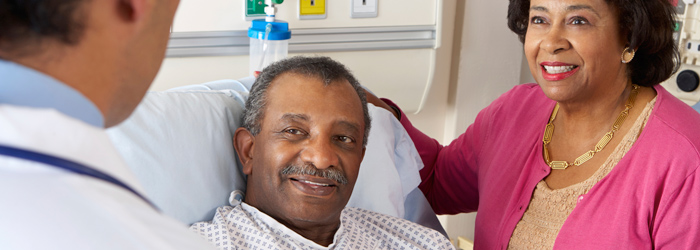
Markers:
point(549, 130)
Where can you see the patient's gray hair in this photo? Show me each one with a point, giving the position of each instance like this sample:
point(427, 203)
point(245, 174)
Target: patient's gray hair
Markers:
point(324, 68)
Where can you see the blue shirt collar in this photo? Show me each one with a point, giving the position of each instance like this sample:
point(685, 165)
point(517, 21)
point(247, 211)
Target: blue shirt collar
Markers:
point(23, 86)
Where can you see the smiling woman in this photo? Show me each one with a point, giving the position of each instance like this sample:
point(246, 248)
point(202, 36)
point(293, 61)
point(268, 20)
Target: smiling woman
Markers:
point(596, 155)
point(644, 26)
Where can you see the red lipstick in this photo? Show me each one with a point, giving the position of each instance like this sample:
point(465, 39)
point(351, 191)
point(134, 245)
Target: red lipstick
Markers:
point(557, 76)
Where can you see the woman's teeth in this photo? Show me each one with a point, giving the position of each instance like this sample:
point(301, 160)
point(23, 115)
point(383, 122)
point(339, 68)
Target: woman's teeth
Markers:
point(558, 69)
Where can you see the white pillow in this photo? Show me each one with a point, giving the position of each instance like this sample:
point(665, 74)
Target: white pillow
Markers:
point(389, 171)
point(179, 146)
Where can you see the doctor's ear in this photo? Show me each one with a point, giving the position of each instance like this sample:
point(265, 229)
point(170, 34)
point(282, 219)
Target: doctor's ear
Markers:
point(134, 11)
point(244, 143)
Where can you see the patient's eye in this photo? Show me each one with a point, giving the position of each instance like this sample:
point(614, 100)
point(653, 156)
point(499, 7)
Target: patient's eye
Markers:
point(293, 131)
point(345, 139)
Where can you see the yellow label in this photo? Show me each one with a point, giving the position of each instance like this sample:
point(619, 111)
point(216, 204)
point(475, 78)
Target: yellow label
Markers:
point(312, 7)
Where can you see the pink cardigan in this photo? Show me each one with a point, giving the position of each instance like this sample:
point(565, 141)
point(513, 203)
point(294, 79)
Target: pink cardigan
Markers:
point(650, 200)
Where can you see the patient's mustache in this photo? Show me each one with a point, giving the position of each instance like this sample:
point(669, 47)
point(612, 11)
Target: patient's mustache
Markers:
point(308, 169)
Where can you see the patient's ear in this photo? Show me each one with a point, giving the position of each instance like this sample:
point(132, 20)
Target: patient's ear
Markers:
point(244, 143)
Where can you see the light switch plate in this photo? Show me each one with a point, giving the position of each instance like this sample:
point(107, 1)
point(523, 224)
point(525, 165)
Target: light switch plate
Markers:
point(311, 9)
point(363, 8)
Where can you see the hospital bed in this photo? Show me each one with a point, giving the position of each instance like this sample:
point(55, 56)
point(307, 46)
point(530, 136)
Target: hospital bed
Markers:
point(179, 145)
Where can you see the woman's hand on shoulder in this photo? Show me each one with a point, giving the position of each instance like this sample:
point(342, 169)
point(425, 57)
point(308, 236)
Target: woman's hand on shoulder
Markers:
point(373, 99)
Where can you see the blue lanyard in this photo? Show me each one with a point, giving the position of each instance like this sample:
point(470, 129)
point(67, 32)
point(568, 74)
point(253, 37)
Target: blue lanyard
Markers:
point(67, 165)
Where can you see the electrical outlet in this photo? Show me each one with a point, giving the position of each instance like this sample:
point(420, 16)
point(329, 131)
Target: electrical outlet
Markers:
point(363, 8)
point(312, 9)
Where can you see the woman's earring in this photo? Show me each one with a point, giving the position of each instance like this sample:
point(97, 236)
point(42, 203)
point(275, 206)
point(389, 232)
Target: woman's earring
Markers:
point(627, 55)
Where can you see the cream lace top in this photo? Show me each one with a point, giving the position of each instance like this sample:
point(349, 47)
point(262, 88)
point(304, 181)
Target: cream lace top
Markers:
point(548, 209)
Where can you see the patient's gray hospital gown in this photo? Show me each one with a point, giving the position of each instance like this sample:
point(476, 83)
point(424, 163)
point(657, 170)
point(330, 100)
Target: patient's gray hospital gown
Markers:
point(245, 227)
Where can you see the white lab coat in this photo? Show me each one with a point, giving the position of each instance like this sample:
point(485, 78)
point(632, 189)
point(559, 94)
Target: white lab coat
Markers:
point(43, 207)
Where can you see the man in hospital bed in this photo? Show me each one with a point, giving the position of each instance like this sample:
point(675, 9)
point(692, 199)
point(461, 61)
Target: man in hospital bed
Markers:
point(304, 136)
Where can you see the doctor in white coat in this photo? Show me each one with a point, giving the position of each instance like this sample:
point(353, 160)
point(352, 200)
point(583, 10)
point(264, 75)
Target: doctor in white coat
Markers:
point(69, 69)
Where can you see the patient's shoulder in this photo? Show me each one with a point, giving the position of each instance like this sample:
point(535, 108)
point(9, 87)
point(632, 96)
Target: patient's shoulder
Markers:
point(393, 230)
point(222, 215)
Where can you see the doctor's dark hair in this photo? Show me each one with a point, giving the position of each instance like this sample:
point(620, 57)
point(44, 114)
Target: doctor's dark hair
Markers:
point(646, 24)
point(24, 24)
point(323, 68)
